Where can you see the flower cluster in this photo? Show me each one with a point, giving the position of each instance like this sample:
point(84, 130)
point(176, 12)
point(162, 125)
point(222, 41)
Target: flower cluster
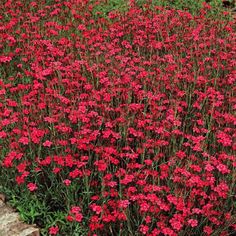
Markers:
point(133, 115)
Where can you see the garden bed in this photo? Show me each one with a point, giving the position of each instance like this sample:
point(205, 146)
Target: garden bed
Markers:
point(118, 122)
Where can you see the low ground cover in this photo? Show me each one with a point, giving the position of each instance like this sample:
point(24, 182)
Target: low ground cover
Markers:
point(119, 122)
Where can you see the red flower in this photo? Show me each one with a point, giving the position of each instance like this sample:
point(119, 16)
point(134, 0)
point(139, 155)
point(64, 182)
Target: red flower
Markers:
point(78, 217)
point(47, 143)
point(208, 230)
point(70, 218)
point(102, 166)
point(193, 222)
point(67, 182)
point(177, 222)
point(20, 179)
point(5, 59)
point(32, 187)
point(143, 229)
point(222, 189)
point(96, 208)
point(53, 230)
point(3, 134)
point(223, 169)
point(180, 154)
point(24, 140)
point(21, 167)
point(56, 170)
point(168, 232)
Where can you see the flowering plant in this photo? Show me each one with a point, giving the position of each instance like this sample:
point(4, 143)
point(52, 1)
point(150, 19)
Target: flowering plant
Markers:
point(121, 125)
